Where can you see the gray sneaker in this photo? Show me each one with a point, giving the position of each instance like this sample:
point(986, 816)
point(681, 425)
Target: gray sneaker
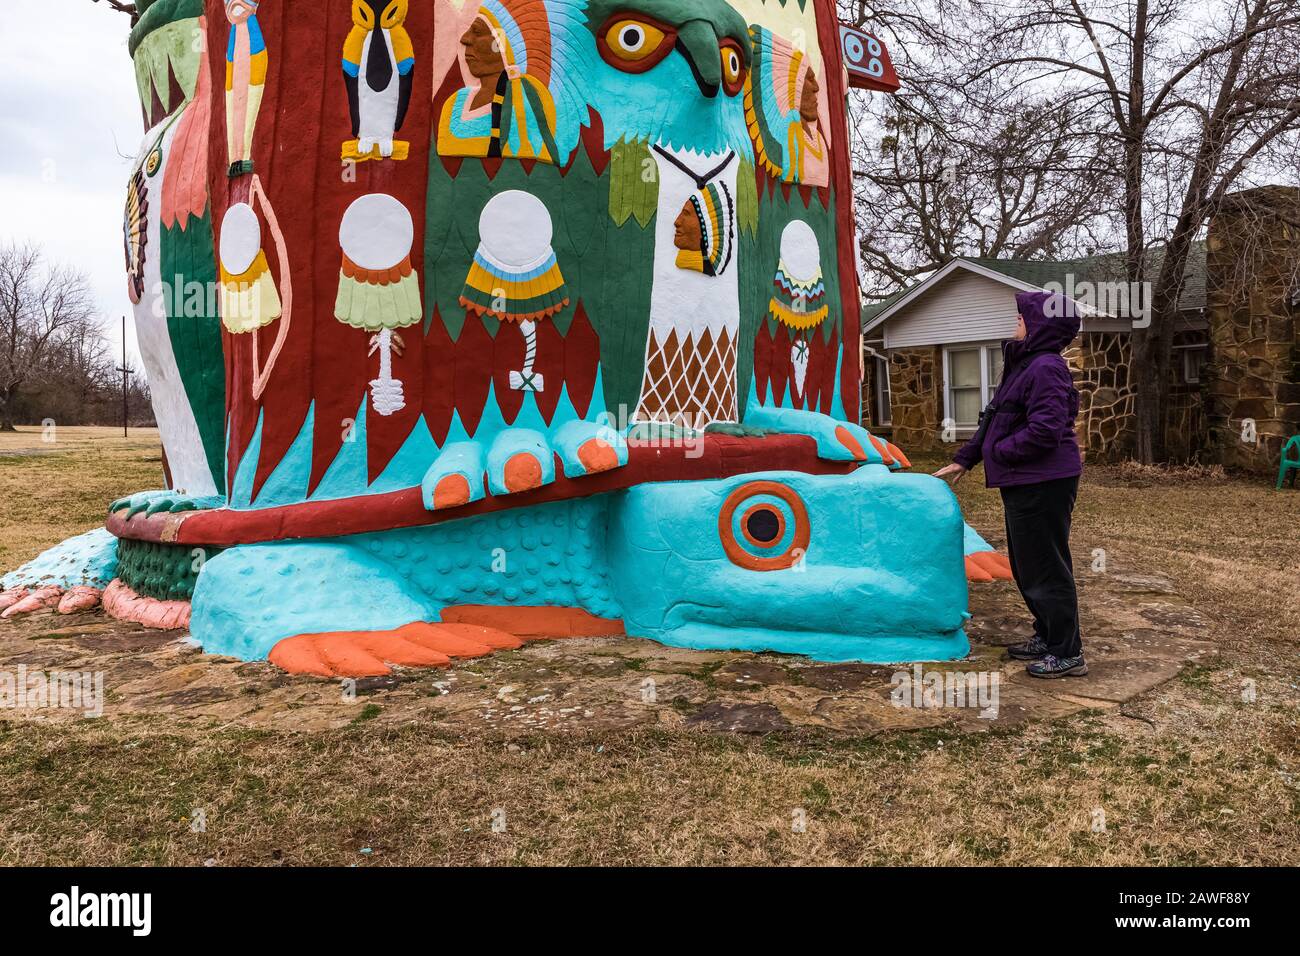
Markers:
point(1031, 650)
point(1051, 667)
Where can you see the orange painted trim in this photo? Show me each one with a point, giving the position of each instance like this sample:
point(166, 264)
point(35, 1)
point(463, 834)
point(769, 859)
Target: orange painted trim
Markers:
point(898, 454)
point(845, 438)
point(802, 527)
point(532, 623)
point(884, 451)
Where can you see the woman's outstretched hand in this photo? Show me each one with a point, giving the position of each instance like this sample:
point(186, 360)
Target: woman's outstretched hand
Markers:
point(953, 472)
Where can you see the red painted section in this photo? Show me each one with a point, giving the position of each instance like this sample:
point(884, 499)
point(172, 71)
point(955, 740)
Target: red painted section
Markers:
point(439, 379)
point(581, 361)
point(474, 351)
point(303, 123)
point(722, 456)
point(828, 27)
point(859, 79)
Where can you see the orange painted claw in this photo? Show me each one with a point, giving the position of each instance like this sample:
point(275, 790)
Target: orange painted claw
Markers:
point(884, 451)
point(995, 564)
point(353, 654)
point(976, 573)
point(898, 454)
point(370, 653)
point(845, 438)
point(523, 473)
point(984, 566)
point(451, 492)
point(598, 455)
point(478, 634)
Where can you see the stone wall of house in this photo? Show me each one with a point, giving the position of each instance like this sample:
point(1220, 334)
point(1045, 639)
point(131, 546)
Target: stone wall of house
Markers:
point(916, 385)
point(1253, 380)
point(1100, 362)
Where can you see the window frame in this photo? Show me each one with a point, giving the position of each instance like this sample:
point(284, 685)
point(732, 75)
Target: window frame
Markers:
point(1188, 351)
point(884, 395)
point(987, 387)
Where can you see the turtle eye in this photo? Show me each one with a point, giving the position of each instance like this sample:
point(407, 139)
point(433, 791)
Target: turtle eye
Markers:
point(733, 68)
point(763, 526)
point(635, 44)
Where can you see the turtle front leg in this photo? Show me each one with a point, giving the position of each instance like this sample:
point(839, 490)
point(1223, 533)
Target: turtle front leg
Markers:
point(836, 440)
point(150, 503)
point(519, 460)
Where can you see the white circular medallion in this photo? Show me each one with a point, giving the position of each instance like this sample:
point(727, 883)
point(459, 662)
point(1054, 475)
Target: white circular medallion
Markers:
point(377, 232)
point(515, 230)
point(241, 238)
point(800, 251)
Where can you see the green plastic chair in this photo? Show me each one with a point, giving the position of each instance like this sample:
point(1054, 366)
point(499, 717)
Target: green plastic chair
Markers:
point(1290, 462)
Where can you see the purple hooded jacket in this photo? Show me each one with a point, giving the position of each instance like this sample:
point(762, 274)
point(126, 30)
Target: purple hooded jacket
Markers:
point(1031, 436)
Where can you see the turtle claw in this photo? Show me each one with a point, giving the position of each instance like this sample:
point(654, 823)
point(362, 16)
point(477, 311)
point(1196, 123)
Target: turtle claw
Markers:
point(836, 440)
point(36, 599)
point(985, 566)
point(588, 449)
point(136, 503)
point(150, 503)
point(373, 653)
point(455, 478)
point(518, 460)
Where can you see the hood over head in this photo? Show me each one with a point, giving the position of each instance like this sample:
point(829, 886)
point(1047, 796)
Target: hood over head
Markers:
point(1051, 319)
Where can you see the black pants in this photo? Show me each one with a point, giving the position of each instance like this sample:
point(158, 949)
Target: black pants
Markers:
point(1038, 544)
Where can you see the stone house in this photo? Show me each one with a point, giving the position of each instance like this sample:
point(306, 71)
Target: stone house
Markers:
point(932, 356)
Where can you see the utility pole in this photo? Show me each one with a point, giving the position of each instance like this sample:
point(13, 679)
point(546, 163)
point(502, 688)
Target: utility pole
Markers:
point(126, 373)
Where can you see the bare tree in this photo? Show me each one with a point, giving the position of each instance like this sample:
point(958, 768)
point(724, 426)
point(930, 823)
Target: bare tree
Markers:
point(1022, 184)
point(127, 8)
point(39, 306)
point(1199, 100)
point(954, 165)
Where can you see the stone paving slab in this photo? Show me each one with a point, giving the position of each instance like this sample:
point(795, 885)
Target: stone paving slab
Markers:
point(1138, 633)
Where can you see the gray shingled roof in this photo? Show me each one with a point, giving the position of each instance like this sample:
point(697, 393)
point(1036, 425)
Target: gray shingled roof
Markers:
point(1103, 268)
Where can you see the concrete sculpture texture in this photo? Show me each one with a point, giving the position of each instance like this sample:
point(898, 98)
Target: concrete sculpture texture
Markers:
point(563, 339)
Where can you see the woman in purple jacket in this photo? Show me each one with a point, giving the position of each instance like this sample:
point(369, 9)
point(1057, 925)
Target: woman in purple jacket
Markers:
point(1026, 441)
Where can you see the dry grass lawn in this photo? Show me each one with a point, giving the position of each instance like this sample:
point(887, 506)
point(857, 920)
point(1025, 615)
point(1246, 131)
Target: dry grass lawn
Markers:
point(1188, 774)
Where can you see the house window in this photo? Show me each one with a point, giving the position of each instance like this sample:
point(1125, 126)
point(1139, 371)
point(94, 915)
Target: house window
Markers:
point(884, 402)
point(971, 376)
point(1194, 359)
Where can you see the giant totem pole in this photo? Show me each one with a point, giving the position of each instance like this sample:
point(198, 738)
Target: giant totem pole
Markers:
point(471, 321)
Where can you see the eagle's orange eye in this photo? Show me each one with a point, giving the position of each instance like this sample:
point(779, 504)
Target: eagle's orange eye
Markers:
point(763, 526)
point(733, 68)
point(635, 44)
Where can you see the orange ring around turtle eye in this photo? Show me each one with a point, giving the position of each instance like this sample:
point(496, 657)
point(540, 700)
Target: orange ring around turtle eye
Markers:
point(736, 550)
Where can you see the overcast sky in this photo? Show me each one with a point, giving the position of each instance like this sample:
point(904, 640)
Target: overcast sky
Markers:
point(71, 125)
